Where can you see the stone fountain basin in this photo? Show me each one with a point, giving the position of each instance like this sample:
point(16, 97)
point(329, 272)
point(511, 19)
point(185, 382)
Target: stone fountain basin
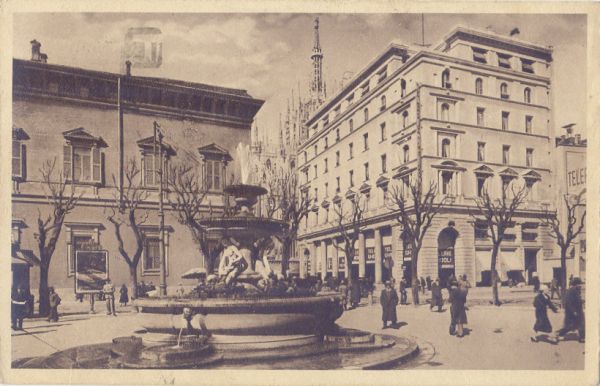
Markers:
point(244, 227)
point(269, 316)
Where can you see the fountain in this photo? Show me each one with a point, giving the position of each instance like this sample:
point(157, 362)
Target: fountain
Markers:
point(247, 328)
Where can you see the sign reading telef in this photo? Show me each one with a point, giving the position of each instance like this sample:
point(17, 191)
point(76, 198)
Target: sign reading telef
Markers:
point(575, 172)
point(91, 271)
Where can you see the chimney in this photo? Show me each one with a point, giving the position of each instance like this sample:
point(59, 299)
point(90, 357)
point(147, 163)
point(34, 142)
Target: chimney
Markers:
point(128, 68)
point(43, 58)
point(577, 139)
point(35, 50)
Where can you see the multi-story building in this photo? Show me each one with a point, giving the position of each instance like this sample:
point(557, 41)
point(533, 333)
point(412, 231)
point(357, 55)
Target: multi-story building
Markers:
point(473, 113)
point(70, 116)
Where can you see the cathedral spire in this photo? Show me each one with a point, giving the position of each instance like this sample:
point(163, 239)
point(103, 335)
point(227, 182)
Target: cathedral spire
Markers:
point(316, 85)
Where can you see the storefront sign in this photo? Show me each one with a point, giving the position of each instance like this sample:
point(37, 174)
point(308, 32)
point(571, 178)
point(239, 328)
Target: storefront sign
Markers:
point(91, 270)
point(446, 258)
point(342, 262)
point(371, 254)
point(575, 172)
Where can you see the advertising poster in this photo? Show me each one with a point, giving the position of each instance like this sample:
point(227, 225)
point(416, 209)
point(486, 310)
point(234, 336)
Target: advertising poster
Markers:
point(91, 270)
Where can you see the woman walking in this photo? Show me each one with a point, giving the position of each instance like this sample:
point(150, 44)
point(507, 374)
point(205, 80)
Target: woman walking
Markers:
point(124, 297)
point(389, 301)
point(542, 302)
point(458, 314)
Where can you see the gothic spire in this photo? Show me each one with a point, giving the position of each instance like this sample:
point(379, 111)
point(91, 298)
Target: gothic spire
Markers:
point(316, 86)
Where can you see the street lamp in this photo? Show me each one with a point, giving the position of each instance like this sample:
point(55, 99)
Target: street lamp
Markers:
point(161, 213)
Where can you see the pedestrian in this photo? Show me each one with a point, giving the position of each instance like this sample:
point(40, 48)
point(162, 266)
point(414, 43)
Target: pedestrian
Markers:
point(124, 297)
point(109, 295)
point(181, 291)
point(423, 285)
point(436, 296)
point(343, 289)
point(535, 280)
point(570, 280)
point(449, 281)
point(54, 300)
point(464, 284)
point(18, 308)
point(389, 301)
point(428, 281)
point(354, 293)
point(574, 318)
point(458, 314)
point(403, 295)
point(554, 288)
point(542, 302)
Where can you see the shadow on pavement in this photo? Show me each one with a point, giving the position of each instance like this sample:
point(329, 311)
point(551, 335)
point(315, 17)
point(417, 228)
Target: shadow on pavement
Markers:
point(32, 333)
point(49, 325)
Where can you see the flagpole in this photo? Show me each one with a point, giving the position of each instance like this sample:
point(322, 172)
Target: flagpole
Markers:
point(121, 140)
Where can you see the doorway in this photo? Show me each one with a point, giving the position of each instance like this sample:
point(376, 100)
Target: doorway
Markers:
point(530, 264)
point(446, 259)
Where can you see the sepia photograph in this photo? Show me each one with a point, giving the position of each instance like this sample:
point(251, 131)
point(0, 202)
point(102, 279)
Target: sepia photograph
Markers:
point(298, 191)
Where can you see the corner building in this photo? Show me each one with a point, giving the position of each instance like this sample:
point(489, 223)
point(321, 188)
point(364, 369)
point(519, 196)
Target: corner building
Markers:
point(70, 115)
point(474, 112)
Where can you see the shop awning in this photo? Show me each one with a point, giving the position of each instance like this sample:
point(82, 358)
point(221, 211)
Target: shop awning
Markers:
point(484, 260)
point(511, 261)
point(24, 256)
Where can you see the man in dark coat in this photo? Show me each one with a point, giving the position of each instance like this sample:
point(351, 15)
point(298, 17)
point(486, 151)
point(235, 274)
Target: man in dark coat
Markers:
point(18, 308)
point(574, 318)
point(54, 302)
point(354, 293)
point(542, 324)
point(428, 281)
point(458, 314)
point(423, 284)
point(389, 301)
point(536, 283)
point(403, 295)
point(436, 296)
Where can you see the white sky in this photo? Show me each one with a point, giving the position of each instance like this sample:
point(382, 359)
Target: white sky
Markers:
point(269, 54)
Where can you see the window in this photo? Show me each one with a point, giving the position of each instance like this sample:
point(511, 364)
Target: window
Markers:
point(447, 183)
point(315, 170)
point(326, 143)
point(351, 125)
point(446, 79)
point(350, 150)
point(350, 99)
point(504, 91)
point(445, 112)
point(505, 116)
point(406, 153)
point(402, 88)
point(351, 178)
point(364, 89)
point(529, 158)
point(445, 148)
point(527, 95)
point(528, 123)
point(479, 55)
point(382, 74)
point(405, 119)
point(366, 141)
point(326, 167)
point(82, 164)
point(315, 148)
point(480, 116)
point(366, 114)
point(481, 186)
point(151, 253)
point(366, 171)
point(505, 154)
point(337, 134)
point(383, 163)
point(151, 169)
point(383, 133)
point(504, 60)
point(337, 158)
point(480, 151)
point(305, 157)
point(214, 174)
point(19, 163)
point(383, 103)
point(327, 189)
point(337, 184)
point(337, 110)
point(326, 121)
point(527, 65)
point(316, 194)
point(479, 86)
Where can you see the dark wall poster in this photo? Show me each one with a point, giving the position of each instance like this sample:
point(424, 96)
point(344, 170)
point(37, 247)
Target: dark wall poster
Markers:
point(91, 270)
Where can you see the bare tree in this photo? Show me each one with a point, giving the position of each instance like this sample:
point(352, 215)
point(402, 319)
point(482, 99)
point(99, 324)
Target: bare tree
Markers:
point(187, 197)
point(565, 234)
point(126, 211)
point(285, 202)
point(415, 210)
point(497, 214)
point(350, 224)
point(62, 202)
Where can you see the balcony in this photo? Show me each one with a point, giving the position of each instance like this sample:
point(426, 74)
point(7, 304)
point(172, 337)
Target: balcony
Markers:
point(504, 96)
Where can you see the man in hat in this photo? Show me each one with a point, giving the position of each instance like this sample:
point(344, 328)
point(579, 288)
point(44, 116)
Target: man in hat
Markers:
point(54, 302)
point(403, 294)
point(574, 318)
point(389, 301)
point(109, 294)
point(436, 296)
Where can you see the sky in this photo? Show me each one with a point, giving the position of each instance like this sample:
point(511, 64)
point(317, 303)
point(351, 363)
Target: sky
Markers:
point(269, 54)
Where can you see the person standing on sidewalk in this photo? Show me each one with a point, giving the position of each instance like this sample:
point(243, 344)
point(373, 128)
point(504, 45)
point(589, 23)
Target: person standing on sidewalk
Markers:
point(436, 296)
point(535, 280)
point(18, 308)
point(54, 302)
point(109, 295)
point(403, 295)
point(458, 314)
point(389, 301)
point(542, 302)
point(124, 295)
point(423, 284)
point(574, 318)
point(554, 288)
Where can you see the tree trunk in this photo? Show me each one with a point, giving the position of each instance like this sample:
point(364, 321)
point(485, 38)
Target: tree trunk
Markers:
point(44, 296)
point(563, 275)
point(349, 265)
point(285, 257)
point(415, 278)
point(495, 278)
point(133, 279)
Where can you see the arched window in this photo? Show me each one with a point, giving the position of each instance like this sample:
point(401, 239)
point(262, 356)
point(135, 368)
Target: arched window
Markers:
point(402, 88)
point(405, 119)
point(447, 187)
point(445, 112)
point(504, 91)
point(527, 95)
point(479, 86)
point(383, 103)
point(406, 153)
point(445, 148)
point(446, 79)
point(366, 112)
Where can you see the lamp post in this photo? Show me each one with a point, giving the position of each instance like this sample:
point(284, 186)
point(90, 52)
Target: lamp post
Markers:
point(161, 213)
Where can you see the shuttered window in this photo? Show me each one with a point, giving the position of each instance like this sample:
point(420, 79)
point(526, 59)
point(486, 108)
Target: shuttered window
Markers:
point(19, 157)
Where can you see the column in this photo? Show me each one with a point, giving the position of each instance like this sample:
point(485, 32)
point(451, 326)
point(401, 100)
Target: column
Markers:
point(336, 261)
point(362, 260)
point(313, 258)
point(302, 260)
point(396, 253)
point(378, 256)
point(323, 258)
